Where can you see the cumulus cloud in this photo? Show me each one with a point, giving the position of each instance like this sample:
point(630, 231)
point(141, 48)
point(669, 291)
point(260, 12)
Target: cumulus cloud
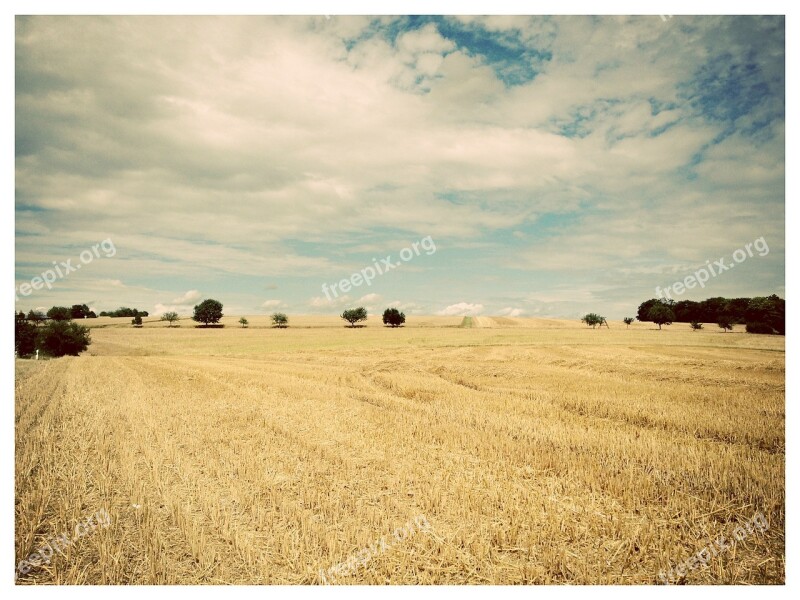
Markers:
point(189, 298)
point(564, 146)
point(321, 302)
point(462, 309)
point(183, 310)
point(510, 312)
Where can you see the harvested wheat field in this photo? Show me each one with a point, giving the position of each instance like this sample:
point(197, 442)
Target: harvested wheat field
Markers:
point(515, 451)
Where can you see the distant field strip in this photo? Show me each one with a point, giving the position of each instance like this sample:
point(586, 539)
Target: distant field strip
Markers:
point(548, 463)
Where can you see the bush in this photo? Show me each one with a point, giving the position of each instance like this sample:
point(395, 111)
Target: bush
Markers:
point(393, 317)
point(280, 320)
point(244, 322)
point(758, 327)
point(696, 325)
point(594, 320)
point(24, 337)
point(136, 321)
point(208, 311)
point(61, 338)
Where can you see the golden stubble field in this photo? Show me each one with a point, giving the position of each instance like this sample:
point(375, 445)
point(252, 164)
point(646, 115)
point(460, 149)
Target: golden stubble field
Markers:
point(536, 451)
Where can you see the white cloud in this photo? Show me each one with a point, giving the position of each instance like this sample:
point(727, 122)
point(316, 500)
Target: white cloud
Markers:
point(462, 309)
point(289, 142)
point(183, 310)
point(320, 302)
point(272, 304)
point(189, 298)
point(511, 312)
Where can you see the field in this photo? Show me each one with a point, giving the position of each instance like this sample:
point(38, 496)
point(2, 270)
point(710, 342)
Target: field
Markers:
point(537, 451)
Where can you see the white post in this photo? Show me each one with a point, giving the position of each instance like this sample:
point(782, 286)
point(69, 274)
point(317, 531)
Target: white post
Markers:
point(37, 354)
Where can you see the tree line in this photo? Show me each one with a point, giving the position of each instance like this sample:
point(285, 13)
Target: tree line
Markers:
point(761, 314)
point(60, 337)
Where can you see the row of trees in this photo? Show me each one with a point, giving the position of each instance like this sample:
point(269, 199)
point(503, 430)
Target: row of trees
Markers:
point(80, 311)
point(209, 312)
point(391, 316)
point(762, 314)
point(56, 338)
point(62, 313)
point(124, 311)
point(279, 320)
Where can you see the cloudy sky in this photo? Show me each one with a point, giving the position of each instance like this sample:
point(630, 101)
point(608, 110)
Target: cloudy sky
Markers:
point(558, 165)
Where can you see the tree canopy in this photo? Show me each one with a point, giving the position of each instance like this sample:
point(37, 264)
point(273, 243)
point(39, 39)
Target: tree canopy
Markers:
point(393, 317)
point(355, 315)
point(208, 312)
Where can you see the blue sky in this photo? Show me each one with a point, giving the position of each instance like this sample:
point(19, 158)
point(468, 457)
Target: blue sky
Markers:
point(560, 165)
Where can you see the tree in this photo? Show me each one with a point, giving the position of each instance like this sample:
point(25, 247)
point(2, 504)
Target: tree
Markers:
point(770, 311)
point(123, 311)
point(661, 314)
point(594, 320)
point(60, 338)
point(279, 320)
point(136, 321)
point(35, 317)
point(696, 325)
point(355, 315)
point(170, 317)
point(725, 323)
point(24, 335)
point(80, 311)
point(627, 321)
point(244, 322)
point(393, 317)
point(60, 313)
point(644, 308)
point(687, 311)
point(207, 312)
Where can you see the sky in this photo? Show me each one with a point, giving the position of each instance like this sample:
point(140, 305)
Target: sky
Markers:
point(505, 166)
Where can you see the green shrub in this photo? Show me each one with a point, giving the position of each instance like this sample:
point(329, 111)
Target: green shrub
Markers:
point(60, 338)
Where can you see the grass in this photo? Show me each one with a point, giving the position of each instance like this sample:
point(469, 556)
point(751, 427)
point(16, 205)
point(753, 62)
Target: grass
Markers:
point(540, 451)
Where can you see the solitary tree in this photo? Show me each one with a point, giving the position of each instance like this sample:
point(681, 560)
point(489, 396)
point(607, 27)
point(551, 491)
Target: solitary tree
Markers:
point(244, 322)
point(279, 320)
point(725, 323)
point(627, 321)
point(169, 317)
point(355, 315)
point(136, 321)
point(696, 325)
point(60, 338)
point(393, 317)
point(207, 312)
point(661, 314)
point(594, 320)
